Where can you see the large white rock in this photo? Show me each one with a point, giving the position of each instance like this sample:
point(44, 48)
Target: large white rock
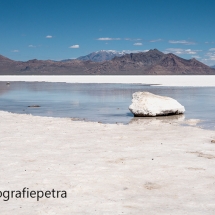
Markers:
point(148, 104)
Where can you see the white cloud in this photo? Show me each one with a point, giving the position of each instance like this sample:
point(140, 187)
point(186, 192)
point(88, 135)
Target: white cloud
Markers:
point(32, 46)
point(209, 42)
point(137, 44)
point(134, 51)
point(49, 36)
point(196, 56)
point(130, 39)
point(74, 47)
point(189, 51)
point(184, 42)
point(15, 50)
point(209, 62)
point(111, 38)
point(209, 57)
point(178, 51)
point(108, 38)
point(154, 41)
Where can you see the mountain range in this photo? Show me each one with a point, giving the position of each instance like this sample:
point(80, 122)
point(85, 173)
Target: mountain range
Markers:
point(152, 62)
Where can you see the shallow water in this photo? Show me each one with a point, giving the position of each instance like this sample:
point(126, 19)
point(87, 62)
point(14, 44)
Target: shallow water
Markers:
point(107, 103)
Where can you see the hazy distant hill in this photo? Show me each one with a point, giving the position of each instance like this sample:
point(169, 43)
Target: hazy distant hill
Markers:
point(213, 66)
point(100, 56)
point(152, 62)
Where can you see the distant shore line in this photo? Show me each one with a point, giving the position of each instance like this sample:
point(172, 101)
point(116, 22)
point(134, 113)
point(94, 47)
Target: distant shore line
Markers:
point(160, 80)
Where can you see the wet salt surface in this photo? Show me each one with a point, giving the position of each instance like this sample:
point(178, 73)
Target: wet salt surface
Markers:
point(106, 103)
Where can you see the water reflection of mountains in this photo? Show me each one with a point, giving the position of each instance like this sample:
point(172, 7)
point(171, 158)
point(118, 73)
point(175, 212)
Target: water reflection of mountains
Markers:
point(102, 90)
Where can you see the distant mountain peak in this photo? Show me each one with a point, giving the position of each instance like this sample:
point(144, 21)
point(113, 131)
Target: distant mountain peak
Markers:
point(102, 55)
point(155, 50)
point(3, 58)
point(108, 51)
point(171, 55)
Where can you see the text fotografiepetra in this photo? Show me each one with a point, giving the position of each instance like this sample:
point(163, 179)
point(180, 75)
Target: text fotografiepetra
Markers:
point(34, 194)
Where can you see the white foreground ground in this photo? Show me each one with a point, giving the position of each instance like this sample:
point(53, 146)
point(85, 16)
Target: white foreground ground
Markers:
point(164, 80)
point(151, 167)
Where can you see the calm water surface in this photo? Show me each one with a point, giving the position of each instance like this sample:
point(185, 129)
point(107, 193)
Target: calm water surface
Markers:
point(107, 103)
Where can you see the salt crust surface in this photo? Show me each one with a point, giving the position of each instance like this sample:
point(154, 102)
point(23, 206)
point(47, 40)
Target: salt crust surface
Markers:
point(158, 167)
point(164, 80)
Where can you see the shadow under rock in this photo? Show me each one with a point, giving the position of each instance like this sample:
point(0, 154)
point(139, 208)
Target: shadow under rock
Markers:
point(178, 119)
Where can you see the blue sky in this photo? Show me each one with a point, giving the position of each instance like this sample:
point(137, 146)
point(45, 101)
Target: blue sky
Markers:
point(62, 29)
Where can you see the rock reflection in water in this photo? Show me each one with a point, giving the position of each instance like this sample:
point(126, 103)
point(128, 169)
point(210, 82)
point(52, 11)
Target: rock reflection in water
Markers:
point(173, 119)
